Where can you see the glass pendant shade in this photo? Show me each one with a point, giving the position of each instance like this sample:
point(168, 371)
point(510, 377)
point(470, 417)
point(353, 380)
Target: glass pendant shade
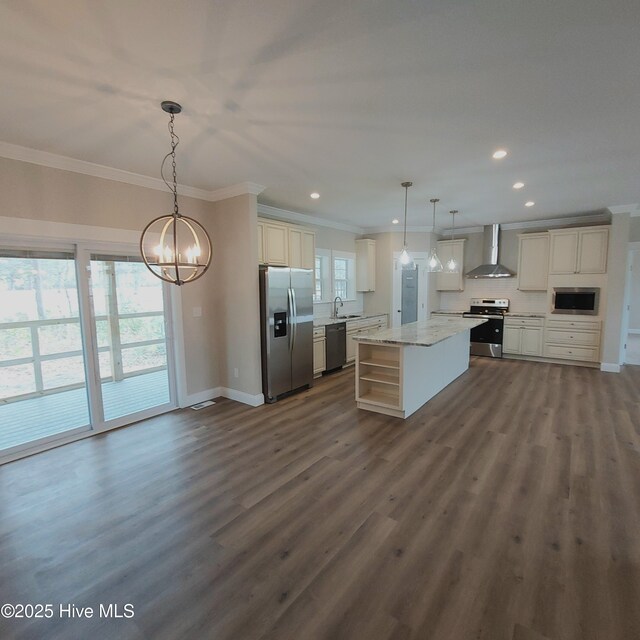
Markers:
point(176, 249)
point(434, 264)
point(452, 266)
point(405, 258)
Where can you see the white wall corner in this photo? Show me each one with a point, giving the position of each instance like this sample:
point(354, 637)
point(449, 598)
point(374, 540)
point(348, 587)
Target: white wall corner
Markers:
point(610, 367)
point(632, 209)
point(240, 189)
point(241, 396)
point(201, 396)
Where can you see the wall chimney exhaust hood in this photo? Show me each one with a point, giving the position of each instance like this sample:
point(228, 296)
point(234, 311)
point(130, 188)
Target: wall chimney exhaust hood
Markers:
point(490, 268)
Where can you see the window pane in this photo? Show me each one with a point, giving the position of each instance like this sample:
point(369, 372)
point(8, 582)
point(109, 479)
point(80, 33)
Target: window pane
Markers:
point(147, 357)
point(341, 288)
point(17, 380)
point(104, 358)
point(141, 329)
point(15, 343)
point(62, 372)
point(58, 338)
point(102, 330)
point(138, 289)
point(35, 289)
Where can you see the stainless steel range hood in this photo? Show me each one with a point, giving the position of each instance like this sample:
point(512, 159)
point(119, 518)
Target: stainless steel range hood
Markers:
point(490, 268)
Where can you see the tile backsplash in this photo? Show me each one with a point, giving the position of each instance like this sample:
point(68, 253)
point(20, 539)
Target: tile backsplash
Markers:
point(534, 301)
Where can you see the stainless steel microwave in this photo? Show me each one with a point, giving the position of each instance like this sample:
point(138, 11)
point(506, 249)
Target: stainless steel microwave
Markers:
point(576, 300)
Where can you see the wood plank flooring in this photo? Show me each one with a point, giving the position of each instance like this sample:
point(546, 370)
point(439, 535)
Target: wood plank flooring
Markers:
point(506, 508)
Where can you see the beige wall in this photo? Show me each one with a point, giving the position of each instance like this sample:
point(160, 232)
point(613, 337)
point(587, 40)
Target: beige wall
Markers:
point(34, 192)
point(612, 350)
point(634, 230)
point(335, 239)
point(238, 297)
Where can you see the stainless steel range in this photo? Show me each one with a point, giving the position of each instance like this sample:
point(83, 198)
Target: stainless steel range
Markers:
point(486, 339)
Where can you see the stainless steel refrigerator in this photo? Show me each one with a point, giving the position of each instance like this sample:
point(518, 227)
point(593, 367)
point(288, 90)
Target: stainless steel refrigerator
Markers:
point(286, 318)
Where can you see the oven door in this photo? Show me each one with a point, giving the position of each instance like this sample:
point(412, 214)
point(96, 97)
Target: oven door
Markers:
point(486, 339)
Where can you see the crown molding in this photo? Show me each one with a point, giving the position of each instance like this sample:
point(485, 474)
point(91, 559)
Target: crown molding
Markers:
point(596, 218)
point(632, 209)
point(276, 213)
point(65, 163)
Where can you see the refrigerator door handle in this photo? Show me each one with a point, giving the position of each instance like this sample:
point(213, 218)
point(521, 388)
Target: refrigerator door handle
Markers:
point(290, 317)
point(295, 318)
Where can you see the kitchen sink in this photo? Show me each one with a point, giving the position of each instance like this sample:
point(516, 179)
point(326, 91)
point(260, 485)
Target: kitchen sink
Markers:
point(351, 315)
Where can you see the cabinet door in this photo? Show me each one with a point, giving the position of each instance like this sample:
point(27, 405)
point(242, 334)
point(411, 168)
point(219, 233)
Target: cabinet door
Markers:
point(592, 254)
point(308, 250)
point(295, 248)
point(351, 346)
point(365, 265)
point(531, 341)
point(276, 245)
point(533, 262)
point(563, 252)
point(319, 355)
point(511, 340)
point(260, 243)
point(450, 281)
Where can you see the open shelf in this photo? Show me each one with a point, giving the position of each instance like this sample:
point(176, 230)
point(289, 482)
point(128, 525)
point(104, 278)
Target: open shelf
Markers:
point(380, 398)
point(378, 362)
point(381, 378)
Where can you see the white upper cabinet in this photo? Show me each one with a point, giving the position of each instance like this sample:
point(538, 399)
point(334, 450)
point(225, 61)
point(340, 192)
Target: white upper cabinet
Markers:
point(582, 250)
point(276, 244)
point(451, 281)
point(592, 256)
point(365, 265)
point(533, 261)
point(285, 245)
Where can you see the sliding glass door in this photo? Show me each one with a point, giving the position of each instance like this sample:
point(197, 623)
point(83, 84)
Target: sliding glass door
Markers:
point(130, 318)
point(84, 344)
point(43, 392)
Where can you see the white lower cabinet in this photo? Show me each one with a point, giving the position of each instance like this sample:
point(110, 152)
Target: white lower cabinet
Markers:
point(523, 336)
point(319, 351)
point(360, 327)
point(573, 340)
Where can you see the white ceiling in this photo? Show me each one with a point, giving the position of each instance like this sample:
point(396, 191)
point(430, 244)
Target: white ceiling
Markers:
point(346, 97)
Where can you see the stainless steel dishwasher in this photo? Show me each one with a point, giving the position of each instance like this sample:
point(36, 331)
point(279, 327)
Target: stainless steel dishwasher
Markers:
point(336, 345)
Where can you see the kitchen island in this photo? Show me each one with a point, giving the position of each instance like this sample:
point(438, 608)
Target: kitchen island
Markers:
point(398, 370)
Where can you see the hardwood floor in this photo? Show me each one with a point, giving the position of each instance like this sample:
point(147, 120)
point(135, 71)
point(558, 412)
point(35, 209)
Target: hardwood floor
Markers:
point(506, 508)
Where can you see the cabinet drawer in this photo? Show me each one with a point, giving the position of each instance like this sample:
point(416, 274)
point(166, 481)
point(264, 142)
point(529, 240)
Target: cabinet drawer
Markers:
point(318, 332)
point(584, 354)
point(523, 322)
point(585, 325)
point(586, 338)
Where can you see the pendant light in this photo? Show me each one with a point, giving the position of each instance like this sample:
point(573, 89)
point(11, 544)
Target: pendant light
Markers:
point(433, 263)
point(175, 248)
point(405, 258)
point(452, 265)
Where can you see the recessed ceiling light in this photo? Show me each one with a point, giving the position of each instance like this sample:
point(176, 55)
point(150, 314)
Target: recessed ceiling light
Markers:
point(315, 195)
point(499, 154)
point(395, 221)
point(530, 203)
point(518, 185)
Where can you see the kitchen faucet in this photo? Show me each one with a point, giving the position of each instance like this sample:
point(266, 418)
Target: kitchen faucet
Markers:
point(335, 305)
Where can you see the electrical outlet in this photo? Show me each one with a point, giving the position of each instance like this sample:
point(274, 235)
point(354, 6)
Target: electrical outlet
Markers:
point(197, 312)
point(235, 373)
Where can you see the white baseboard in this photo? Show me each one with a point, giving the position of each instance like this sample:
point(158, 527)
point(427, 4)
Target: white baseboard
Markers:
point(241, 396)
point(217, 392)
point(609, 367)
point(201, 396)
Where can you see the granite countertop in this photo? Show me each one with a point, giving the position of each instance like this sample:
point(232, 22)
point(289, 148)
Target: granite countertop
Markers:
point(423, 333)
point(526, 314)
point(323, 322)
point(457, 313)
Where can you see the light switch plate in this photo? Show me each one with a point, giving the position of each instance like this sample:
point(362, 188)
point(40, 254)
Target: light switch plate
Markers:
point(197, 312)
